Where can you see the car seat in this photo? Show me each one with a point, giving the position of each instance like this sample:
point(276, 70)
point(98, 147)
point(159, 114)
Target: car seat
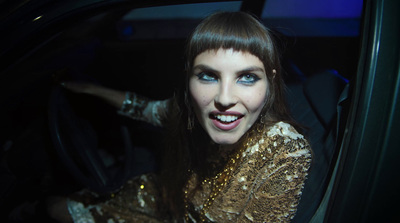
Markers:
point(313, 102)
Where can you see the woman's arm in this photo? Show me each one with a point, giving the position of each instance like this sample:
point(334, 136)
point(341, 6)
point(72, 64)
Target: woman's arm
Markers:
point(130, 104)
point(144, 109)
point(277, 192)
point(111, 96)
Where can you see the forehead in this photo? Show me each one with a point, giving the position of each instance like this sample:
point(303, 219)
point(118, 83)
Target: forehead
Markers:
point(227, 57)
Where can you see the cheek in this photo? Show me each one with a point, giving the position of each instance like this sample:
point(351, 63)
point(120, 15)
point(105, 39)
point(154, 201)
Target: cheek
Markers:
point(257, 100)
point(200, 95)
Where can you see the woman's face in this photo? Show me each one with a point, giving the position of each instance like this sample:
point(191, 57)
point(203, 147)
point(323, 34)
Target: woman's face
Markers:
point(228, 90)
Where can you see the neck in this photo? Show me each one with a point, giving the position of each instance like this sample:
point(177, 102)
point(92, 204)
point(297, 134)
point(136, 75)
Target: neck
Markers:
point(224, 151)
point(227, 148)
point(222, 148)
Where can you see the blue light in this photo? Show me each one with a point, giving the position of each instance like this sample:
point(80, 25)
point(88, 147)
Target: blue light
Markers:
point(336, 73)
point(312, 9)
point(127, 31)
point(314, 17)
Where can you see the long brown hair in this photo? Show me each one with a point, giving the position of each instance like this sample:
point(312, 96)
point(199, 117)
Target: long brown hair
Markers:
point(186, 148)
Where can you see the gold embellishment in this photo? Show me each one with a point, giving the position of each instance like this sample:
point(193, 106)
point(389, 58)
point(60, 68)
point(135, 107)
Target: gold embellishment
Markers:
point(218, 182)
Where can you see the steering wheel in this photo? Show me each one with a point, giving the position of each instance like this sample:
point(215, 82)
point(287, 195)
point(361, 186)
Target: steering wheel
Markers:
point(76, 143)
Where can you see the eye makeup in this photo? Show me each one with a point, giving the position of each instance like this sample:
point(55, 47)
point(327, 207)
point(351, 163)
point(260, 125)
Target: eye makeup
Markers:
point(248, 79)
point(207, 77)
point(248, 76)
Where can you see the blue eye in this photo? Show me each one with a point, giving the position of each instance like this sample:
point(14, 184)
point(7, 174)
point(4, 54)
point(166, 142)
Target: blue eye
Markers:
point(248, 79)
point(203, 76)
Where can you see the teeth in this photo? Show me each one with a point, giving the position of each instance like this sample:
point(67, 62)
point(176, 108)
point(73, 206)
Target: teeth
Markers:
point(226, 118)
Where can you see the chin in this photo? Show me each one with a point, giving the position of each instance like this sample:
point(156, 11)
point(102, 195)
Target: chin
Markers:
point(222, 138)
point(225, 141)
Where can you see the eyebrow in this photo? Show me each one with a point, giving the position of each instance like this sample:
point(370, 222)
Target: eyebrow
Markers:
point(247, 69)
point(252, 69)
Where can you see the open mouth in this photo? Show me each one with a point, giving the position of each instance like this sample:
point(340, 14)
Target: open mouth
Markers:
point(226, 118)
point(226, 122)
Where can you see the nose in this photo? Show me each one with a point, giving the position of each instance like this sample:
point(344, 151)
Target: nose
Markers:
point(225, 97)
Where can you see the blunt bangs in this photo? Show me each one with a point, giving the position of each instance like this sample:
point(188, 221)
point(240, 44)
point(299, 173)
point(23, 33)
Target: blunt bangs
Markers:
point(237, 31)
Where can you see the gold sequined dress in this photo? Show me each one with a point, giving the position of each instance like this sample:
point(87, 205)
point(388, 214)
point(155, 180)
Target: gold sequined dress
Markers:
point(261, 182)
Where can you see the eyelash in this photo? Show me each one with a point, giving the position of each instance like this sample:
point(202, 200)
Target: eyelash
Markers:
point(202, 76)
point(254, 79)
point(209, 77)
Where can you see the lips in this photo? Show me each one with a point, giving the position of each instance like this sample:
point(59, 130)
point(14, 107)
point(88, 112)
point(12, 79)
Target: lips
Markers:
point(226, 120)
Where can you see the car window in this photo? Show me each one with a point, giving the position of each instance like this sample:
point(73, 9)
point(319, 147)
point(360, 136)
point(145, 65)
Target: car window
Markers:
point(168, 22)
point(184, 11)
point(314, 18)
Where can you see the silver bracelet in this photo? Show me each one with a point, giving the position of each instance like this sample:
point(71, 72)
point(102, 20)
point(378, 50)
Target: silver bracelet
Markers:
point(127, 104)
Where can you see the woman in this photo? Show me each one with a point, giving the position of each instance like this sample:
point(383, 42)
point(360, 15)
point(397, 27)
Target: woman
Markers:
point(232, 153)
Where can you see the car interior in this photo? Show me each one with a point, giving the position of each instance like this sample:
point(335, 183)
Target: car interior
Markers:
point(140, 49)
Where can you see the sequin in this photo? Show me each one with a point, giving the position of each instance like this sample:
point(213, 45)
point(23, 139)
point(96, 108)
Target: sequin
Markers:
point(262, 185)
point(268, 181)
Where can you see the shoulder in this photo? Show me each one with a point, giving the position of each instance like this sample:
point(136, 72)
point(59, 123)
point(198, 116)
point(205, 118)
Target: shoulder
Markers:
point(276, 162)
point(287, 136)
point(280, 138)
point(285, 130)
